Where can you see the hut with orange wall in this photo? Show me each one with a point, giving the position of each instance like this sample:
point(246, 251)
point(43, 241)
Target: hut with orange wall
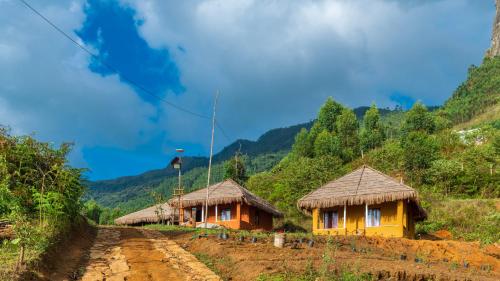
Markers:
point(230, 205)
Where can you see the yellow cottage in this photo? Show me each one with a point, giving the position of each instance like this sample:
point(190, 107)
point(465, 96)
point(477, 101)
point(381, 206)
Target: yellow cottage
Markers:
point(364, 202)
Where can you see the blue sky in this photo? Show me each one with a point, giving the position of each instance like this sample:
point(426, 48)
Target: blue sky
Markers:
point(274, 63)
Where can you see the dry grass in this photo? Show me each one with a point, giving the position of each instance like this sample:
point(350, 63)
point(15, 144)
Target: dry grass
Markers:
point(492, 113)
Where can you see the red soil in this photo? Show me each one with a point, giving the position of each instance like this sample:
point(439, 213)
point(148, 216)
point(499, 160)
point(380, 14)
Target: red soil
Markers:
point(437, 260)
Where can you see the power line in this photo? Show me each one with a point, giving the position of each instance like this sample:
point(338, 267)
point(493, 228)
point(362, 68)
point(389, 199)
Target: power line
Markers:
point(110, 67)
point(222, 130)
point(124, 77)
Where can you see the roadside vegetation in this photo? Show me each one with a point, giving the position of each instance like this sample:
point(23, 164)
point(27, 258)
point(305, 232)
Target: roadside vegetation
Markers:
point(39, 198)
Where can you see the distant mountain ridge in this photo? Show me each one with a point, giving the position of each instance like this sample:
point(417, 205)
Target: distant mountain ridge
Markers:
point(274, 140)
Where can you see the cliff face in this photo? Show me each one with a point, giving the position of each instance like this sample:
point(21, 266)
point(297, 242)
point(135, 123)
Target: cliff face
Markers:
point(495, 40)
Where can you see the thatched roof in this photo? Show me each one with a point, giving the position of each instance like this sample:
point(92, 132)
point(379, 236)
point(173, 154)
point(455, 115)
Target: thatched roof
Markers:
point(362, 186)
point(226, 192)
point(148, 215)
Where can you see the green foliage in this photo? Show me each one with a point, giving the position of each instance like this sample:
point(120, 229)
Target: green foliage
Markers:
point(293, 178)
point(373, 134)
point(92, 210)
point(37, 181)
point(326, 144)
point(328, 115)
point(418, 118)
point(39, 193)
point(456, 216)
point(389, 158)
point(419, 150)
point(302, 146)
point(347, 132)
point(477, 94)
point(108, 215)
point(235, 169)
point(444, 174)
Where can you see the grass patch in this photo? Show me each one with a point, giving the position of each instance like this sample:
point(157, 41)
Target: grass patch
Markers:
point(212, 264)
point(467, 219)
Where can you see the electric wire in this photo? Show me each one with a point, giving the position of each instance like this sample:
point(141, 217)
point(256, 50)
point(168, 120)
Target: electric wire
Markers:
point(124, 77)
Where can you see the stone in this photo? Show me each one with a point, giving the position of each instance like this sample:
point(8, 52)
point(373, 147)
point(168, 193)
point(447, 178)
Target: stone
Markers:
point(495, 38)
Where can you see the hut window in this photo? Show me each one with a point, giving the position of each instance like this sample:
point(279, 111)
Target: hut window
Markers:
point(373, 217)
point(225, 215)
point(330, 219)
point(257, 217)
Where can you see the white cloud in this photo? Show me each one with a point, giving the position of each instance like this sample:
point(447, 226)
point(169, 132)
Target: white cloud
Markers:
point(276, 61)
point(47, 88)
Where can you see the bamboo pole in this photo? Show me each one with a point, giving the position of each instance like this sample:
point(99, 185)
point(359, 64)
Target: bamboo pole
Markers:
point(210, 159)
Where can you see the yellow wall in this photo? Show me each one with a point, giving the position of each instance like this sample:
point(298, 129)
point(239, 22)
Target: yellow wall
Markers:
point(395, 221)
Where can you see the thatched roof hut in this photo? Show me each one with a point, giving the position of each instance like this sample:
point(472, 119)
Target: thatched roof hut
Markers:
point(226, 192)
point(152, 214)
point(362, 186)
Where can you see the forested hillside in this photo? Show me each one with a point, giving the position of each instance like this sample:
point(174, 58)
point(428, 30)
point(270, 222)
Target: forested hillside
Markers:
point(119, 196)
point(419, 146)
point(126, 194)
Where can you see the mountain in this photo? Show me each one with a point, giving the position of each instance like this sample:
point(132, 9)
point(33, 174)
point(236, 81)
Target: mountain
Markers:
point(132, 192)
point(273, 141)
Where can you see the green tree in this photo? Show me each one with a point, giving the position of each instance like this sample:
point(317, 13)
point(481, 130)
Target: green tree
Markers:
point(92, 210)
point(418, 118)
point(326, 144)
point(444, 174)
point(234, 169)
point(347, 132)
point(372, 135)
point(302, 146)
point(328, 114)
point(420, 150)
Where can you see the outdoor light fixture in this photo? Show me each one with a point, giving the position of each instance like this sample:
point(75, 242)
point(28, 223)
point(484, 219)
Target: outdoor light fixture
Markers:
point(176, 163)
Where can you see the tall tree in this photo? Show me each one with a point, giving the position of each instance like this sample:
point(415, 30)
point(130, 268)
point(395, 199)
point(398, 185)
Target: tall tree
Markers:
point(302, 146)
point(235, 169)
point(420, 150)
point(373, 132)
point(328, 114)
point(326, 144)
point(347, 132)
point(418, 118)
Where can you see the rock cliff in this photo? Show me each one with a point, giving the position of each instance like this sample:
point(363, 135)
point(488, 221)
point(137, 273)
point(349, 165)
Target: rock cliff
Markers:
point(495, 39)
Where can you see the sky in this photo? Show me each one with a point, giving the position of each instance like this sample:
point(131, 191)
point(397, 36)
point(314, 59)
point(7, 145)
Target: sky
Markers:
point(273, 62)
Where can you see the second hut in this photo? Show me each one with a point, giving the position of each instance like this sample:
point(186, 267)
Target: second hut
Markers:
point(230, 205)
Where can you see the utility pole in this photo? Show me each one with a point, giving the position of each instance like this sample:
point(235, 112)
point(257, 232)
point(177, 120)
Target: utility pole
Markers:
point(210, 159)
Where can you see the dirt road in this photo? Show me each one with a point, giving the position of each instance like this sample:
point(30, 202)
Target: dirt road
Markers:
point(138, 254)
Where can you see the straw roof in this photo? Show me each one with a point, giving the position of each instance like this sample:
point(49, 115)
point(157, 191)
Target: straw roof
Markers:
point(148, 215)
point(362, 186)
point(226, 192)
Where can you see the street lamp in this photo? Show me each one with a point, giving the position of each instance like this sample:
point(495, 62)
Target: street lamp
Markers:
point(176, 163)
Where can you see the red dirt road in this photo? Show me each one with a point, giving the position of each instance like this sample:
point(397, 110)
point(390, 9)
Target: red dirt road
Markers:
point(134, 254)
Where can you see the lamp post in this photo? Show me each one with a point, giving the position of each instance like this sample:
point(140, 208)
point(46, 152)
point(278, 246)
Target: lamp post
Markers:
point(179, 191)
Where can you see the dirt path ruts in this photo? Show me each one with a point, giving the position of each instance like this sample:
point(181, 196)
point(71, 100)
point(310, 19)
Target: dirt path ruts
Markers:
point(137, 254)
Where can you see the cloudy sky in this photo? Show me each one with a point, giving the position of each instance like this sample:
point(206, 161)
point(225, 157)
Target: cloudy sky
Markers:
point(274, 63)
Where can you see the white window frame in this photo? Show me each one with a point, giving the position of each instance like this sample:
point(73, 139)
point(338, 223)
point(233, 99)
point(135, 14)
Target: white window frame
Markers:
point(328, 216)
point(373, 217)
point(224, 214)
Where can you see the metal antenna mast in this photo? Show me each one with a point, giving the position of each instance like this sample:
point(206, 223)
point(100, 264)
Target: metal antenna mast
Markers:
point(210, 159)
